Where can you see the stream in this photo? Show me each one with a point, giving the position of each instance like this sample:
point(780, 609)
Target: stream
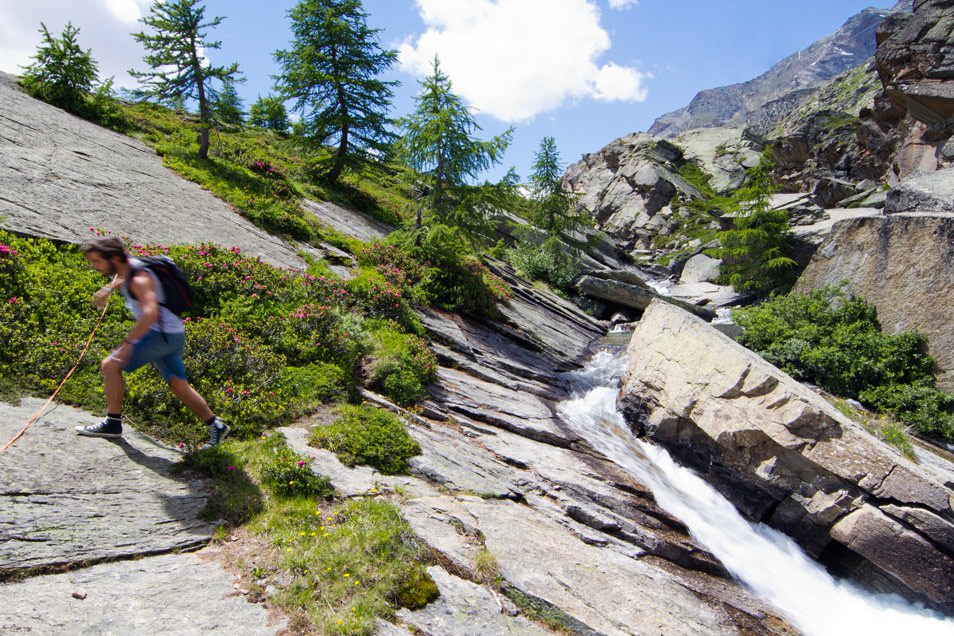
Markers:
point(765, 561)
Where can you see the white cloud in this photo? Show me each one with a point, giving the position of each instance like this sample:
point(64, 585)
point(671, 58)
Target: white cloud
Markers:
point(128, 11)
point(620, 5)
point(514, 59)
point(104, 28)
point(618, 83)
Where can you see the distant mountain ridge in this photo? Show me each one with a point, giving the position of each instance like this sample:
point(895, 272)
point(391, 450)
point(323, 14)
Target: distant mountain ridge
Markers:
point(758, 102)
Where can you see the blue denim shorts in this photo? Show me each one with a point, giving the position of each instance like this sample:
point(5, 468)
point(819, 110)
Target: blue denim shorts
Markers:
point(164, 351)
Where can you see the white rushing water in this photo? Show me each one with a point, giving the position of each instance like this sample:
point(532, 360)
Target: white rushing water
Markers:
point(765, 560)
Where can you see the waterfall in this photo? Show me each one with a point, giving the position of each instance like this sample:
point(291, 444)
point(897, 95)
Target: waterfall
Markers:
point(766, 561)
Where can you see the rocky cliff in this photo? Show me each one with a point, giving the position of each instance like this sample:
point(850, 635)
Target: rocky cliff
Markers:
point(852, 133)
point(903, 264)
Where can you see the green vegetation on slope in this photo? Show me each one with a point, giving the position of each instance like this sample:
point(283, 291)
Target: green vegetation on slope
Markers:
point(264, 344)
point(835, 341)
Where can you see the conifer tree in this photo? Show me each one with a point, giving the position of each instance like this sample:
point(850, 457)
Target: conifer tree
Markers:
point(755, 251)
point(62, 73)
point(178, 69)
point(269, 112)
point(552, 208)
point(438, 142)
point(227, 107)
point(331, 73)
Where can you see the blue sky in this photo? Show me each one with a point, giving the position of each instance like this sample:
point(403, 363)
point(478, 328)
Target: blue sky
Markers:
point(582, 71)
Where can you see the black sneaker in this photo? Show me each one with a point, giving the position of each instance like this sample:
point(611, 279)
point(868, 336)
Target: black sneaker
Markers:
point(218, 431)
point(106, 428)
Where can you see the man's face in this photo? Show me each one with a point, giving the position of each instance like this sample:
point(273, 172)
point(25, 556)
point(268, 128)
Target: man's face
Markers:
point(102, 265)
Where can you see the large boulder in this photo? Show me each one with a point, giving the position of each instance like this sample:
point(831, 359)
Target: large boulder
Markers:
point(63, 176)
point(902, 264)
point(788, 458)
point(633, 296)
point(723, 153)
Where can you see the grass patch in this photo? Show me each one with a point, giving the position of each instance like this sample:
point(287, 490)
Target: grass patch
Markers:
point(897, 435)
point(347, 564)
point(539, 610)
point(338, 565)
point(263, 174)
point(234, 493)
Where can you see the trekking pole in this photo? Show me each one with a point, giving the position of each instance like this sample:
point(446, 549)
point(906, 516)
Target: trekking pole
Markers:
point(39, 413)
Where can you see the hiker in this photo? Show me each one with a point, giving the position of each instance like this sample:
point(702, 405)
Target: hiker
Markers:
point(157, 337)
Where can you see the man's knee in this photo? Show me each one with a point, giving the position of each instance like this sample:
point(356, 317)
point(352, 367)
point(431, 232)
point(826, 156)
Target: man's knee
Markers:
point(111, 365)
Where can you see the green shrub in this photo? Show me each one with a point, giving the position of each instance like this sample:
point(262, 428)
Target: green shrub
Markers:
point(287, 474)
point(46, 318)
point(835, 341)
point(548, 262)
point(367, 435)
point(401, 364)
point(379, 297)
point(314, 384)
point(929, 411)
point(240, 378)
point(447, 274)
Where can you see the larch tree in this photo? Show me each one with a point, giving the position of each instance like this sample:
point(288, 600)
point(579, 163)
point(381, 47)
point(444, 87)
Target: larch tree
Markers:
point(552, 206)
point(755, 252)
point(227, 106)
point(331, 73)
point(178, 69)
point(438, 142)
point(269, 112)
point(62, 73)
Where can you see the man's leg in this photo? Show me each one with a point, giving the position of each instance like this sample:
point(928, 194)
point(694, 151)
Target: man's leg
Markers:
point(113, 384)
point(191, 398)
point(173, 370)
point(114, 387)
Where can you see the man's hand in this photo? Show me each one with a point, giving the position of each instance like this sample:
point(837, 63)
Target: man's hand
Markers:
point(101, 296)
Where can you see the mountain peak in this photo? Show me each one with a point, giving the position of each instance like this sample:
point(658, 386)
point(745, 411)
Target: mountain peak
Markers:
point(791, 80)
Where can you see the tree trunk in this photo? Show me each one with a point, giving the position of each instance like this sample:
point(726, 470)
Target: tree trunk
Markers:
point(204, 142)
point(340, 158)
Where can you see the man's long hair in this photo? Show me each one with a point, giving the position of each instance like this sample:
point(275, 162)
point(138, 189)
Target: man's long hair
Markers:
point(107, 246)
